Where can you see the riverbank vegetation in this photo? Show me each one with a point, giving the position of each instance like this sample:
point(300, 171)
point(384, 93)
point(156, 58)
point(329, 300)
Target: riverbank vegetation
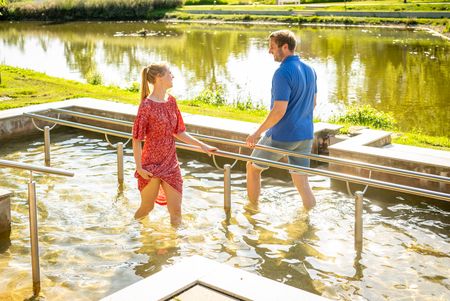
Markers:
point(68, 10)
point(21, 87)
point(441, 25)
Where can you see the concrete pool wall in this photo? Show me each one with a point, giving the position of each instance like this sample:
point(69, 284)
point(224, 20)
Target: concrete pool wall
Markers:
point(371, 146)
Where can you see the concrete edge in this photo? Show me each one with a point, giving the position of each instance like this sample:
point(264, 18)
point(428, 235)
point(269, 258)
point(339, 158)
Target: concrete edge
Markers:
point(5, 194)
point(363, 143)
point(199, 270)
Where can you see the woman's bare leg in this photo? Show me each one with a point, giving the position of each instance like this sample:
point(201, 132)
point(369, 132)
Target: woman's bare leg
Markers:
point(148, 197)
point(173, 204)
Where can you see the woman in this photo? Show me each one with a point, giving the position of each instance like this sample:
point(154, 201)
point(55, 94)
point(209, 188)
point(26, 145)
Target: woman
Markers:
point(157, 123)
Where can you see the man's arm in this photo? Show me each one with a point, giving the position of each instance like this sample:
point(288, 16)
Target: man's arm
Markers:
point(275, 115)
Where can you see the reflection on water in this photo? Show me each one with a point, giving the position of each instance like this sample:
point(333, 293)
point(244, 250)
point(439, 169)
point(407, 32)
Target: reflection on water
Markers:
point(403, 72)
point(91, 247)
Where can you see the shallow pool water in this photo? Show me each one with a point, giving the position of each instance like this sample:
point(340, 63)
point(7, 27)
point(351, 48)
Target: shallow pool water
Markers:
point(90, 246)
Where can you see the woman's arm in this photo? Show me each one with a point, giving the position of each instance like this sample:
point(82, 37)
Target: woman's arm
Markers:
point(137, 153)
point(185, 137)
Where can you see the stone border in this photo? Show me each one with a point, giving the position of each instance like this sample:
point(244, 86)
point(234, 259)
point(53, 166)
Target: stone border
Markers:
point(220, 277)
point(374, 146)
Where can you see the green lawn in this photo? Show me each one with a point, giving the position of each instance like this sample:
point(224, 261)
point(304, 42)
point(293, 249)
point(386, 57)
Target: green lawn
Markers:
point(21, 87)
point(334, 6)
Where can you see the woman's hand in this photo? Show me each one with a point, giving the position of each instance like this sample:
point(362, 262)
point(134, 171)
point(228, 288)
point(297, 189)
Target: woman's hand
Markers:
point(144, 174)
point(208, 148)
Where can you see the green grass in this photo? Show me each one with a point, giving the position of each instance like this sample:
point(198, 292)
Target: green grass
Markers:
point(438, 24)
point(21, 87)
point(332, 6)
point(411, 7)
point(421, 140)
point(26, 87)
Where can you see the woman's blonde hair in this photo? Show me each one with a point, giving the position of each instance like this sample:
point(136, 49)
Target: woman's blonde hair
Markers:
point(149, 75)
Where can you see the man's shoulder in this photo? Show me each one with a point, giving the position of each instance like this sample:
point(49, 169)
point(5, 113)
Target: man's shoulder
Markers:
point(280, 74)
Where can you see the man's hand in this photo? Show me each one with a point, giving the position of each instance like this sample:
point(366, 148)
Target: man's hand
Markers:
point(145, 174)
point(252, 139)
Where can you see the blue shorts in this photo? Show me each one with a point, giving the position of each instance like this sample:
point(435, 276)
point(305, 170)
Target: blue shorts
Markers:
point(301, 147)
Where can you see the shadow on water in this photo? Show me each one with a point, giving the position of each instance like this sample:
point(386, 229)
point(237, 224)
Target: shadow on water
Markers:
point(288, 265)
point(159, 242)
point(5, 241)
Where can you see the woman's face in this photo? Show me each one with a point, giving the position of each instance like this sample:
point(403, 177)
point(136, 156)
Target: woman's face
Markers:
point(167, 79)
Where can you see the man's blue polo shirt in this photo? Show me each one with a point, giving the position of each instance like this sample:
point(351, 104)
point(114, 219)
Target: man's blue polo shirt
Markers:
point(295, 82)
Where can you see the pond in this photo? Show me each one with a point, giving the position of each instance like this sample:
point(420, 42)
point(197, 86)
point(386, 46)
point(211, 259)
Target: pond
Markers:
point(90, 246)
point(400, 71)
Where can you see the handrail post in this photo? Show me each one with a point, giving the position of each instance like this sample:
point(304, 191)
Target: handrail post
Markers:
point(358, 219)
point(227, 187)
point(34, 238)
point(120, 163)
point(47, 145)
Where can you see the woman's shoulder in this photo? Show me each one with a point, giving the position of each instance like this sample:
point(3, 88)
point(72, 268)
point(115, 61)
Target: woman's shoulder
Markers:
point(172, 100)
point(144, 105)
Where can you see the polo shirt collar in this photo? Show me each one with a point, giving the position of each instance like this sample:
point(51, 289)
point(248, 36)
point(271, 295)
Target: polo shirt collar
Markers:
point(293, 57)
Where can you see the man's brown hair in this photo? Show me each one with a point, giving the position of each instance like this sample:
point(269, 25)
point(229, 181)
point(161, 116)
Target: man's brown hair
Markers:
point(282, 37)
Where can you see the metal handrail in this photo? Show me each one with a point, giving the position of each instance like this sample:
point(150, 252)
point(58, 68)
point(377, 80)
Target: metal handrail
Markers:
point(369, 166)
point(308, 170)
point(80, 125)
point(32, 207)
point(42, 169)
point(330, 174)
point(346, 162)
point(93, 117)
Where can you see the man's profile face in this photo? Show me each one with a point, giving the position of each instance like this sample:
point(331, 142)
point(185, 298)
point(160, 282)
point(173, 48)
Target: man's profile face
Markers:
point(276, 51)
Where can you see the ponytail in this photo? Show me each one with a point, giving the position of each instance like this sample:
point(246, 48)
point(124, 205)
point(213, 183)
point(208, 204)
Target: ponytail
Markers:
point(145, 90)
point(149, 74)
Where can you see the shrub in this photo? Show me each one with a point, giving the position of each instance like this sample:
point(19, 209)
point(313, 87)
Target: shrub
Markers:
point(135, 87)
point(94, 78)
point(214, 96)
point(366, 116)
point(204, 2)
point(248, 105)
point(447, 27)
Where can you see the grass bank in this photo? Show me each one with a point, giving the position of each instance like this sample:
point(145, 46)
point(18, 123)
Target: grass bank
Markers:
point(387, 5)
point(441, 26)
point(21, 87)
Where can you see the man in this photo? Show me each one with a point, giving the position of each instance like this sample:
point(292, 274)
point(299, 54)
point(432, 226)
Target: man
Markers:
point(289, 124)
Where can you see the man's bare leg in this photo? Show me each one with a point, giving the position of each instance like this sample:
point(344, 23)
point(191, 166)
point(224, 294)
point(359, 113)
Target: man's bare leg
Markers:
point(302, 184)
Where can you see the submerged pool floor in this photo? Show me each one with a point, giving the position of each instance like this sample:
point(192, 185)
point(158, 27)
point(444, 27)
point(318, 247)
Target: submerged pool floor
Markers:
point(90, 246)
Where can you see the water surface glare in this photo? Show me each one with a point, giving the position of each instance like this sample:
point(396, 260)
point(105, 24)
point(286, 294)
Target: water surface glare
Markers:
point(91, 247)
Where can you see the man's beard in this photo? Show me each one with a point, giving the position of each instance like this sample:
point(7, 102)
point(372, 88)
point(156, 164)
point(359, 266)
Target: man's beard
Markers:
point(279, 56)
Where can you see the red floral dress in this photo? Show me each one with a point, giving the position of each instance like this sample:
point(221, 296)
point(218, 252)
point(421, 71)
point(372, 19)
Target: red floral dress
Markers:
point(155, 123)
